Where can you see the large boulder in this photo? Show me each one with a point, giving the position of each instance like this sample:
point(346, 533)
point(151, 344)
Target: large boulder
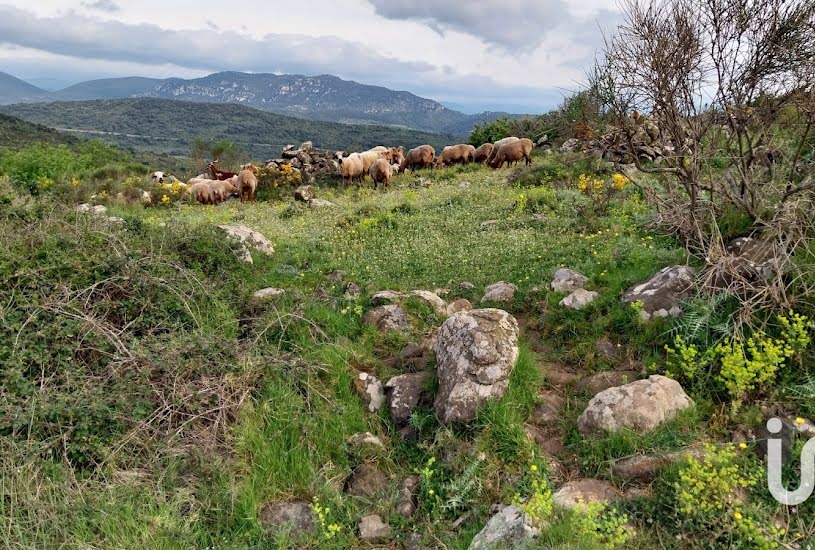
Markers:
point(509, 528)
point(501, 292)
point(568, 280)
point(660, 296)
point(248, 239)
point(579, 299)
point(475, 352)
point(641, 406)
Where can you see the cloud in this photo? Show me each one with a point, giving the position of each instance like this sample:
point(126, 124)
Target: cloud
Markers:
point(108, 6)
point(506, 24)
point(73, 35)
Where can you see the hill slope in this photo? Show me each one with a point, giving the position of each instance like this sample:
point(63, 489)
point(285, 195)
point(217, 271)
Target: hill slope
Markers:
point(167, 126)
point(17, 133)
point(107, 88)
point(14, 90)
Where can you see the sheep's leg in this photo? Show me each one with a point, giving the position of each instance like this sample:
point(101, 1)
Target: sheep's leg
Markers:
point(252, 196)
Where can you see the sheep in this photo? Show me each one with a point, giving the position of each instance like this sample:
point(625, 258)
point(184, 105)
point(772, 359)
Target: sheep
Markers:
point(512, 152)
point(219, 174)
point(247, 184)
point(370, 156)
point(455, 154)
point(421, 156)
point(497, 145)
point(157, 177)
point(351, 167)
point(222, 190)
point(381, 172)
point(397, 155)
point(483, 153)
point(202, 192)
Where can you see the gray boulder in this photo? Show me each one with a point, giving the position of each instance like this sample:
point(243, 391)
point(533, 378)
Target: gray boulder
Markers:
point(568, 280)
point(475, 352)
point(500, 293)
point(404, 393)
point(579, 299)
point(247, 238)
point(661, 295)
point(509, 528)
point(388, 318)
point(370, 389)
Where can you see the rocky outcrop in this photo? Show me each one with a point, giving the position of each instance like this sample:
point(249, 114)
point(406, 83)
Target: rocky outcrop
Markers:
point(509, 528)
point(248, 240)
point(661, 295)
point(475, 352)
point(640, 406)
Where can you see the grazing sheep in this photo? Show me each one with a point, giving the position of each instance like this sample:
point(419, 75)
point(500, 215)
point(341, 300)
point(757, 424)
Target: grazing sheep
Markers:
point(483, 153)
point(202, 192)
point(512, 152)
point(456, 154)
point(219, 174)
point(251, 167)
point(372, 155)
point(247, 184)
point(381, 172)
point(497, 145)
point(422, 156)
point(352, 167)
point(222, 190)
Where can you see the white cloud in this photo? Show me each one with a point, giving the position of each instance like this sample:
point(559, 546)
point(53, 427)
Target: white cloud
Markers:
point(103, 5)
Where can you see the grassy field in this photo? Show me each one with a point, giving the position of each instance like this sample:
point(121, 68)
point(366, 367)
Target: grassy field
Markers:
point(150, 403)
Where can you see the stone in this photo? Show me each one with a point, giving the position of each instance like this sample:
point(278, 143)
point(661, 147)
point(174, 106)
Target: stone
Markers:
point(306, 146)
point(352, 290)
point(558, 375)
point(295, 517)
point(83, 208)
point(607, 349)
point(373, 529)
point(408, 503)
point(404, 393)
point(602, 381)
point(320, 203)
point(370, 389)
point(100, 209)
point(500, 293)
point(547, 412)
point(509, 528)
point(268, 295)
point(640, 406)
point(115, 220)
point(466, 286)
point(748, 260)
point(386, 297)
point(411, 351)
point(570, 146)
point(388, 318)
point(431, 298)
point(543, 140)
point(568, 280)
point(459, 305)
point(578, 493)
point(305, 193)
point(365, 441)
point(475, 353)
point(248, 238)
point(661, 295)
point(366, 481)
point(645, 468)
point(579, 299)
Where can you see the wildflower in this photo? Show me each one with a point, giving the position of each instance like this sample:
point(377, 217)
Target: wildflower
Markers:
point(75, 182)
point(800, 421)
point(742, 445)
point(737, 516)
point(431, 492)
point(165, 199)
point(534, 468)
point(619, 181)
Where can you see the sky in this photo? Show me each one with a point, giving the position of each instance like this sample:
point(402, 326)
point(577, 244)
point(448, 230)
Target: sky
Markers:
point(474, 55)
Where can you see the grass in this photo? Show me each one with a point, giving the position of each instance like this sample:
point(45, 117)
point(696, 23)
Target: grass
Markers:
point(280, 376)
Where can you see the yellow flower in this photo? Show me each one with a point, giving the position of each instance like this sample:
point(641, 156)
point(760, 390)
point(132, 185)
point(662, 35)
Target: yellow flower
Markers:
point(742, 445)
point(800, 421)
point(737, 516)
point(431, 492)
point(619, 181)
point(165, 199)
point(75, 182)
point(534, 468)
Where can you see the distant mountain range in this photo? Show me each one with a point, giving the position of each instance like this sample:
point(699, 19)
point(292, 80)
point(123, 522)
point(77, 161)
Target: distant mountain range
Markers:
point(323, 97)
point(171, 126)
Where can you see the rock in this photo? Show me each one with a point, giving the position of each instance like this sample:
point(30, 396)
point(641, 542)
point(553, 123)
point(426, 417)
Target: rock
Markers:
point(509, 528)
point(645, 468)
point(305, 193)
point(500, 293)
point(366, 481)
point(660, 296)
point(466, 286)
point(411, 351)
point(404, 393)
point(641, 406)
point(439, 306)
point(100, 209)
point(370, 389)
point(268, 295)
point(558, 375)
point(365, 441)
point(459, 305)
point(247, 236)
point(570, 146)
point(748, 260)
point(306, 146)
point(602, 381)
point(784, 430)
point(336, 276)
point(352, 290)
point(83, 208)
point(579, 299)
point(115, 220)
point(568, 280)
point(407, 504)
point(373, 529)
point(320, 203)
point(464, 185)
point(386, 297)
point(476, 352)
point(547, 412)
point(296, 517)
point(576, 494)
point(543, 140)
point(607, 349)
point(388, 318)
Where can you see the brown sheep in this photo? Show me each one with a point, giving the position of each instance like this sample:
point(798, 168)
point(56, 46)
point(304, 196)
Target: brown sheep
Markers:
point(381, 172)
point(397, 154)
point(352, 167)
point(247, 184)
point(370, 156)
point(497, 145)
point(512, 152)
point(223, 189)
point(201, 192)
point(483, 153)
point(456, 154)
point(422, 156)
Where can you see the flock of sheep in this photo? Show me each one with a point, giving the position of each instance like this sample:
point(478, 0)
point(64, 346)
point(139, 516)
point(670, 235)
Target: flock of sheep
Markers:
point(381, 162)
